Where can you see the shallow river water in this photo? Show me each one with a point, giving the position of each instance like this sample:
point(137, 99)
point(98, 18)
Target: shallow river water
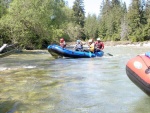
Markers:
point(34, 82)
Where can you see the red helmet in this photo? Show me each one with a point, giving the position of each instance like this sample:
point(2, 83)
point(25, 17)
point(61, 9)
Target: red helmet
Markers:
point(62, 40)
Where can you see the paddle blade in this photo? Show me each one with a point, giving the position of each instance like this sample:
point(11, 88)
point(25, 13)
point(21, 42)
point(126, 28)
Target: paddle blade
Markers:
point(109, 54)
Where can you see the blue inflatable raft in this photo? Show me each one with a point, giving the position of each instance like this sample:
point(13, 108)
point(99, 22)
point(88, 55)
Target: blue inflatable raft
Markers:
point(57, 51)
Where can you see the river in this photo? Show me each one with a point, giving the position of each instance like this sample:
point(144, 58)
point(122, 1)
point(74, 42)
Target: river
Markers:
point(34, 82)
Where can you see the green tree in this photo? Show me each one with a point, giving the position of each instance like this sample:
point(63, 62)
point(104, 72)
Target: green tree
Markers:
point(91, 26)
point(124, 7)
point(146, 28)
point(136, 20)
point(34, 23)
point(124, 29)
point(103, 19)
point(79, 14)
point(112, 12)
point(4, 4)
point(124, 24)
point(79, 18)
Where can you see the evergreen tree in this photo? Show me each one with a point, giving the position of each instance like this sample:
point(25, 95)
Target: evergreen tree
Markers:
point(124, 29)
point(147, 26)
point(103, 19)
point(124, 23)
point(110, 19)
point(124, 8)
point(136, 20)
point(91, 26)
point(115, 2)
point(79, 14)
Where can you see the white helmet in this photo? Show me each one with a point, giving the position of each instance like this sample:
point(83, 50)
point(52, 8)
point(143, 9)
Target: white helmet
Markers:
point(90, 40)
point(98, 39)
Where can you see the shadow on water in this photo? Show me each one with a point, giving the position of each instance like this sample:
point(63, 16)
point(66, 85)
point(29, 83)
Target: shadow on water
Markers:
point(32, 87)
point(34, 52)
point(9, 106)
point(138, 107)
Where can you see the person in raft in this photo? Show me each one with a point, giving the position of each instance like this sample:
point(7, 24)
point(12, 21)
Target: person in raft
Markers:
point(62, 43)
point(99, 45)
point(79, 46)
point(90, 46)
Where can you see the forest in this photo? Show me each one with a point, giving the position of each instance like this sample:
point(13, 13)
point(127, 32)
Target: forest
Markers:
point(35, 24)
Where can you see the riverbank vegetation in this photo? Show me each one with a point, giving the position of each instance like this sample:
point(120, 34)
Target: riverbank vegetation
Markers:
point(34, 24)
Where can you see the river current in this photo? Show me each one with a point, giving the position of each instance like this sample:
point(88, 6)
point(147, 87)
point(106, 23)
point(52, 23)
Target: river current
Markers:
point(34, 82)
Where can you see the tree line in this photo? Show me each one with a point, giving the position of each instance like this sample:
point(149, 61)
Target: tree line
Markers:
point(34, 24)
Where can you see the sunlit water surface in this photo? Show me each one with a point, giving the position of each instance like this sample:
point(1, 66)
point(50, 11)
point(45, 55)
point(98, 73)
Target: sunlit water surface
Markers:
point(34, 82)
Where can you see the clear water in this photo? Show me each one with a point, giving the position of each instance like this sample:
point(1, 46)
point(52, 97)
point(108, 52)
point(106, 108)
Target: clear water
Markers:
point(34, 82)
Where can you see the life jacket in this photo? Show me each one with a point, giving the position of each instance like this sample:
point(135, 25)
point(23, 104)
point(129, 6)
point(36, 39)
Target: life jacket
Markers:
point(63, 45)
point(79, 46)
point(98, 44)
point(92, 47)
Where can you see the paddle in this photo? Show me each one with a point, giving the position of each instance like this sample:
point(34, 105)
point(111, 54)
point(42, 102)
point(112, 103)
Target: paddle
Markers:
point(109, 54)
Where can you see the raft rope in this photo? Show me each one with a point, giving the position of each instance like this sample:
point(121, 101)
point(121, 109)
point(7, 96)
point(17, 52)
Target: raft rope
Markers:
point(147, 71)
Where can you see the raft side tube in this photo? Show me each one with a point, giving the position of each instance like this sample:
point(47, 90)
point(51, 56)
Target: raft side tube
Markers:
point(144, 86)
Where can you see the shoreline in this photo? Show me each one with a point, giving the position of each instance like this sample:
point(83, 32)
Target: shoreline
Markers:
point(127, 43)
point(106, 44)
point(118, 43)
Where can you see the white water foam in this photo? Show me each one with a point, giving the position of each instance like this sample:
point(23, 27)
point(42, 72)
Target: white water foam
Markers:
point(3, 68)
point(29, 67)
